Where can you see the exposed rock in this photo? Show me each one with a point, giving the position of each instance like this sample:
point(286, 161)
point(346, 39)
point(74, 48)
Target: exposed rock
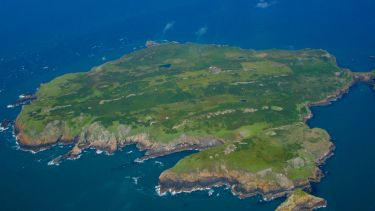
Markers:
point(300, 200)
point(215, 70)
point(218, 113)
point(367, 77)
point(150, 43)
point(76, 151)
point(243, 184)
point(250, 110)
point(22, 100)
point(98, 137)
point(181, 144)
point(297, 162)
point(230, 148)
point(5, 124)
point(50, 135)
point(270, 183)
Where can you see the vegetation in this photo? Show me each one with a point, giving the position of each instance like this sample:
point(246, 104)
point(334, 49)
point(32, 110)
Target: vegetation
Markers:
point(254, 101)
point(199, 90)
point(289, 150)
point(300, 200)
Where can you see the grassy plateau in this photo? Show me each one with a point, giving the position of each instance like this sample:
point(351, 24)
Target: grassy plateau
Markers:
point(254, 102)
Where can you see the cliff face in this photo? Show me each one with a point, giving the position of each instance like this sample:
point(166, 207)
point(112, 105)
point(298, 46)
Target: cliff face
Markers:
point(241, 183)
point(98, 137)
point(270, 178)
point(51, 134)
point(243, 109)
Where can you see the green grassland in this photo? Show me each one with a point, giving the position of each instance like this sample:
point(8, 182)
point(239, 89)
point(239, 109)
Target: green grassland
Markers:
point(288, 150)
point(166, 91)
point(169, 90)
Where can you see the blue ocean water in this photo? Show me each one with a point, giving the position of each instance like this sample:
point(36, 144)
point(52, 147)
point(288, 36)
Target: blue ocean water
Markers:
point(42, 39)
point(349, 184)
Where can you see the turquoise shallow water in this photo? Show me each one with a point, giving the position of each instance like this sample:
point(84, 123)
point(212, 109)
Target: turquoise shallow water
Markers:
point(42, 39)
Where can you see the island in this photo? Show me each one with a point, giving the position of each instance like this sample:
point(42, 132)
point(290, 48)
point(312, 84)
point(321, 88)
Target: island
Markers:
point(300, 200)
point(244, 111)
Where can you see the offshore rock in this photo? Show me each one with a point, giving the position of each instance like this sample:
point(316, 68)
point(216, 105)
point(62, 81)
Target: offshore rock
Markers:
point(301, 201)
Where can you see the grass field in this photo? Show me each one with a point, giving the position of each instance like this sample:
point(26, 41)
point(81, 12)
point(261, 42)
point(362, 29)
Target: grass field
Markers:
point(172, 84)
point(289, 150)
point(175, 90)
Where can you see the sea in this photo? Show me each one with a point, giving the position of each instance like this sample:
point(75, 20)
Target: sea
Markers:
point(42, 39)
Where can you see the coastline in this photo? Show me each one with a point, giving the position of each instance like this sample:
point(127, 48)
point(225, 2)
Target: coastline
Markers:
point(237, 188)
point(112, 143)
point(142, 142)
point(171, 186)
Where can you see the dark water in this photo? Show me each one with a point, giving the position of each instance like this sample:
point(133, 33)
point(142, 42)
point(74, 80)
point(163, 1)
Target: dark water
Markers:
point(42, 39)
point(350, 183)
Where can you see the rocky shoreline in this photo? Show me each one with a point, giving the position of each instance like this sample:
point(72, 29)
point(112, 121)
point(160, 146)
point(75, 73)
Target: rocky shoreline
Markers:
point(23, 100)
point(97, 137)
point(151, 150)
point(178, 185)
point(169, 183)
point(367, 78)
point(300, 200)
point(267, 181)
point(6, 124)
point(151, 153)
point(237, 189)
